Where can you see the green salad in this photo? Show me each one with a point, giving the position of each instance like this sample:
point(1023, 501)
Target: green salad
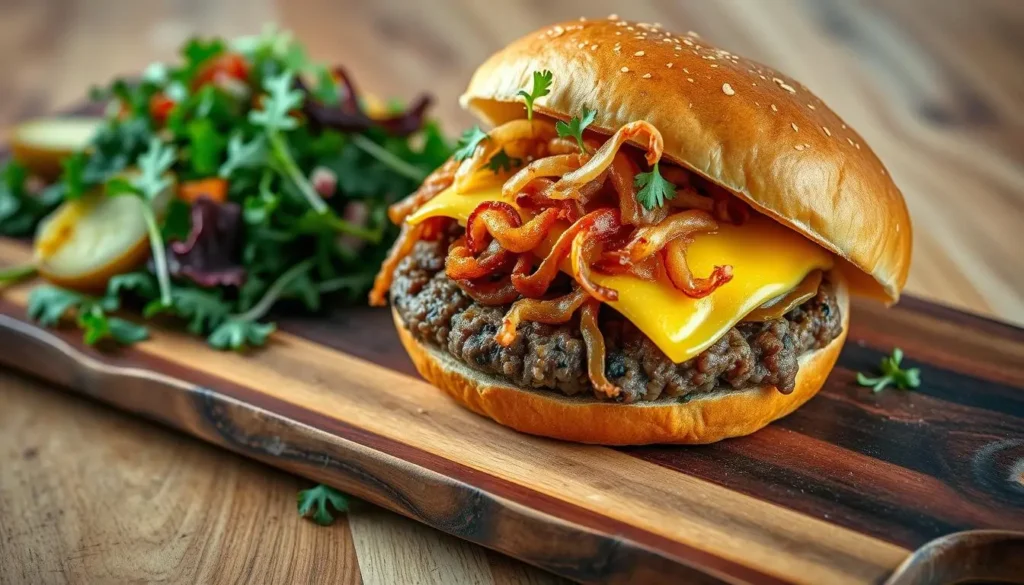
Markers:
point(252, 175)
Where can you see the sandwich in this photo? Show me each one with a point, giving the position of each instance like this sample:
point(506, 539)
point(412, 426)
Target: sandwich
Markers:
point(655, 242)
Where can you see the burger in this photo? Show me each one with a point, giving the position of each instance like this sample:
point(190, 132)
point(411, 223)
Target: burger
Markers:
point(655, 242)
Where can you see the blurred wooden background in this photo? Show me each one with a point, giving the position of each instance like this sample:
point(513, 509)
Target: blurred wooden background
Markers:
point(88, 495)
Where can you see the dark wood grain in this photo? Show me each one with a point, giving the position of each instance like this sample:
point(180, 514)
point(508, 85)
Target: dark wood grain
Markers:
point(902, 467)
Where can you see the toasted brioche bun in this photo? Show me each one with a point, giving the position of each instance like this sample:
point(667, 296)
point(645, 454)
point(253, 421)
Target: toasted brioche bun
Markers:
point(704, 419)
point(744, 126)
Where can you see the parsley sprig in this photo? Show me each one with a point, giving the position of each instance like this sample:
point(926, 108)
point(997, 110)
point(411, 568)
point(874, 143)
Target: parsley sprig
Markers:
point(541, 88)
point(892, 374)
point(654, 189)
point(49, 304)
point(468, 142)
point(575, 127)
point(315, 503)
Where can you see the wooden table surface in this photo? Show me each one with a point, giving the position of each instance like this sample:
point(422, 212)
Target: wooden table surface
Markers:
point(89, 495)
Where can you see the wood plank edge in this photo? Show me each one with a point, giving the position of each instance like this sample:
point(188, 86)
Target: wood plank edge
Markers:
point(566, 548)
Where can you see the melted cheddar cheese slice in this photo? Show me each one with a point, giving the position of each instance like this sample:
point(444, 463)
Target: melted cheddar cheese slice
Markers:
point(767, 258)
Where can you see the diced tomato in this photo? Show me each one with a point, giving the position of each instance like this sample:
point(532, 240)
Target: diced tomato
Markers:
point(160, 107)
point(215, 188)
point(228, 65)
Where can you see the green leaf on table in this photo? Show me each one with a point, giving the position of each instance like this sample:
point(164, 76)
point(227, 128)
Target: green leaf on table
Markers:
point(48, 304)
point(204, 310)
point(316, 503)
point(892, 374)
point(142, 284)
point(240, 334)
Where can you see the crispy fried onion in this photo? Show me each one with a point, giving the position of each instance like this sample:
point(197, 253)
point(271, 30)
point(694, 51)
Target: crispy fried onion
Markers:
point(462, 264)
point(598, 224)
point(571, 182)
point(437, 181)
point(533, 197)
point(550, 311)
point(594, 340)
point(647, 240)
point(501, 221)
point(674, 255)
point(552, 166)
point(535, 131)
point(404, 244)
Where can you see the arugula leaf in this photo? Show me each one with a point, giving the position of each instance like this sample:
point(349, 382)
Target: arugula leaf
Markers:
point(576, 126)
point(316, 500)
point(206, 146)
point(502, 162)
point(243, 155)
point(238, 334)
point(892, 374)
point(47, 304)
point(140, 283)
point(654, 189)
point(468, 142)
point(541, 88)
point(74, 176)
point(204, 310)
point(154, 165)
point(281, 99)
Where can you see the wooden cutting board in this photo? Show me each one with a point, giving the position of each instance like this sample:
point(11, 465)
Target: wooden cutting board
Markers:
point(839, 492)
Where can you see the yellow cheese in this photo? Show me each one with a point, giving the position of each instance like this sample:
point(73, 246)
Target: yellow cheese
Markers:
point(767, 258)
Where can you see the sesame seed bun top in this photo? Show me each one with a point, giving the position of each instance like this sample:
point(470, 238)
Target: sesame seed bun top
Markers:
point(743, 125)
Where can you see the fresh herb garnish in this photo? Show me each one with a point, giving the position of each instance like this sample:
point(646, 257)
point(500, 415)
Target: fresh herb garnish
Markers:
point(502, 162)
point(314, 503)
point(541, 88)
point(654, 189)
point(576, 126)
point(468, 142)
point(892, 374)
point(13, 274)
point(48, 304)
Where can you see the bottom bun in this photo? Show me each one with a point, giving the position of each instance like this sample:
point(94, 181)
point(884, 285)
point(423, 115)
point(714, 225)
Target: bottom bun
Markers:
point(704, 419)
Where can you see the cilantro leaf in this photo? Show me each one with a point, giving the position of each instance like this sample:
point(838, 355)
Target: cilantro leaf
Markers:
point(892, 374)
point(239, 334)
point(243, 155)
point(576, 126)
point(541, 88)
point(468, 142)
point(654, 189)
point(278, 104)
point(316, 500)
point(502, 162)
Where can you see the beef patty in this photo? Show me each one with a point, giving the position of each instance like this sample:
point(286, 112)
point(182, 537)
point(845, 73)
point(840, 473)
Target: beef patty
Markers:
point(553, 357)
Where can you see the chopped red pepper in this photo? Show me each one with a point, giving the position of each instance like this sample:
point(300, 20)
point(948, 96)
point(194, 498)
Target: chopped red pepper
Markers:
point(226, 66)
point(160, 107)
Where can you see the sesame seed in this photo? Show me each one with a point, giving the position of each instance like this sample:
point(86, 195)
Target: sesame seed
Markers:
point(624, 70)
point(850, 140)
point(557, 31)
point(613, 16)
point(677, 48)
point(799, 147)
point(631, 29)
point(581, 45)
point(690, 79)
point(758, 104)
point(688, 42)
point(710, 57)
point(638, 54)
point(774, 108)
point(714, 65)
point(593, 47)
point(667, 40)
point(827, 131)
point(844, 126)
point(647, 75)
point(857, 145)
point(727, 89)
point(669, 65)
point(810, 106)
point(685, 70)
point(795, 127)
point(693, 34)
point(618, 33)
